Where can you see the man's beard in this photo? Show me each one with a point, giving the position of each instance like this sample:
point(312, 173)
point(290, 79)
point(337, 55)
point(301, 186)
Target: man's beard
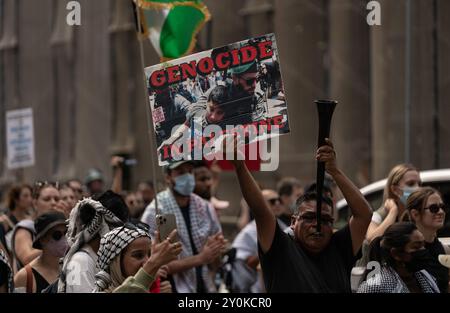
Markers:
point(203, 194)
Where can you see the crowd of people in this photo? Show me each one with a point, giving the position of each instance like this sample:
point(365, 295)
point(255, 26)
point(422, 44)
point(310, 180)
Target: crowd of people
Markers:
point(78, 237)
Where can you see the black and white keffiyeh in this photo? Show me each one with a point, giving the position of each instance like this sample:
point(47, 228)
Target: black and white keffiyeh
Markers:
point(4, 259)
point(78, 234)
point(111, 246)
point(203, 225)
point(388, 281)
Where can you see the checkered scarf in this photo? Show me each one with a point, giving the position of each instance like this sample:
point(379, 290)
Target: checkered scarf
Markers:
point(388, 281)
point(202, 226)
point(108, 262)
point(4, 259)
point(78, 234)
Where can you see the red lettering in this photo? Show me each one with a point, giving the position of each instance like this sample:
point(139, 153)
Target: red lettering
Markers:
point(188, 70)
point(173, 74)
point(158, 79)
point(265, 50)
point(205, 66)
point(235, 57)
point(249, 54)
point(220, 63)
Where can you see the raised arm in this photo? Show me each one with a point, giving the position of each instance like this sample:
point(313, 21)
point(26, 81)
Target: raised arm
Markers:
point(264, 217)
point(361, 211)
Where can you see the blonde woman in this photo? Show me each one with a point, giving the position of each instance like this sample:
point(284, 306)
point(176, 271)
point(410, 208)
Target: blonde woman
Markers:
point(403, 180)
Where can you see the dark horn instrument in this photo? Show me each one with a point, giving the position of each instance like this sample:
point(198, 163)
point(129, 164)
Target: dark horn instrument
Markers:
point(325, 108)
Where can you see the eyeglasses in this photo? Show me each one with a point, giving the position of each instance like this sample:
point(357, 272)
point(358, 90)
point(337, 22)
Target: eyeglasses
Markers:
point(57, 235)
point(434, 208)
point(273, 201)
point(249, 81)
point(309, 218)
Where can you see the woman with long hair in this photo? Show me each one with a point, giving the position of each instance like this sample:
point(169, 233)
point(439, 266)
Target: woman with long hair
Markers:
point(427, 211)
point(397, 259)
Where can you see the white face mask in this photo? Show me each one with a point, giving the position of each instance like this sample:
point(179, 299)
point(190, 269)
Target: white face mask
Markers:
point(184, 184)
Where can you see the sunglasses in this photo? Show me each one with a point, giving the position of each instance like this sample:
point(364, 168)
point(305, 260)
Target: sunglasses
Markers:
point(434, 208)
point(249, 81)
point(274, 201)
point(311, 218)
point(57, 235)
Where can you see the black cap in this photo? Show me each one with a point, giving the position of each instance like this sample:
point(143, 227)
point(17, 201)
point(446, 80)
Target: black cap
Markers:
point(44, 223)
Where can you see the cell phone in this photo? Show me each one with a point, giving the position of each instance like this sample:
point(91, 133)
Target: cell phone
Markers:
point(166, 224)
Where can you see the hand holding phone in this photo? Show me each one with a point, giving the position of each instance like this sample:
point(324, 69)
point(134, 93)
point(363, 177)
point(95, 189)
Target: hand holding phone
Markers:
point(166, 224)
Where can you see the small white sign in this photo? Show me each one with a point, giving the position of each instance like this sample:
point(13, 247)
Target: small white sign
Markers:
point(20, 138)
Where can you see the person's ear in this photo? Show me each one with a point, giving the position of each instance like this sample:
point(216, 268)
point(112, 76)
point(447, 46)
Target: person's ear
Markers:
point(414, 214)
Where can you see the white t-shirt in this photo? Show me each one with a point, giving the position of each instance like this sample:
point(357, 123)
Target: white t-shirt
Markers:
point(81, 271)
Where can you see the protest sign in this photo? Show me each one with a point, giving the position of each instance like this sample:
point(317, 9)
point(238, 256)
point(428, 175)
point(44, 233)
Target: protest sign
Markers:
point(19, 138)
point(197, 99)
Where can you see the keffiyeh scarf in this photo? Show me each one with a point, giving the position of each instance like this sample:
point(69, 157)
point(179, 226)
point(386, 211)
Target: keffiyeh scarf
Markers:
point(202, 226)
point(108, 262)
point(78, 234)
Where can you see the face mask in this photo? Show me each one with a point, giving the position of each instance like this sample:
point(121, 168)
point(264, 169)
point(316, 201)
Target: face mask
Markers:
point(58, 248)
point(407, 191)
point(184, 184)
point(420, 259)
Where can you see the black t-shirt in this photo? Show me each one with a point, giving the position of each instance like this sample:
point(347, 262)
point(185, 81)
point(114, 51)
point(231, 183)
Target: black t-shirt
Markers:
point(198, 270)
point(435, 268)
point(288, 268)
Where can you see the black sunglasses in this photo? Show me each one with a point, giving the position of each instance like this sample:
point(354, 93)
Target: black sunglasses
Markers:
point(434, 208)
point(273, 201)
point(57, 235)
point(249, 81)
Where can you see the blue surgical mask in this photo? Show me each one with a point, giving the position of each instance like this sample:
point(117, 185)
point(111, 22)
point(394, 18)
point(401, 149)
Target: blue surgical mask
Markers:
point(406, 192)
point(184, 184)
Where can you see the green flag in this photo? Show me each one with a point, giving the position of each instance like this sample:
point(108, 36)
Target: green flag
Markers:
point(171, 25)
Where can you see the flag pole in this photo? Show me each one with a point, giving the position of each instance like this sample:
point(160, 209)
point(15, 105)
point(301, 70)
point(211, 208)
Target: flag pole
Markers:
point(149, 115)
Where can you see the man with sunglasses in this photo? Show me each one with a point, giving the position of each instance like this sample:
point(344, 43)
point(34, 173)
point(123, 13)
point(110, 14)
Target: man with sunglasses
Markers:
point(311, 260)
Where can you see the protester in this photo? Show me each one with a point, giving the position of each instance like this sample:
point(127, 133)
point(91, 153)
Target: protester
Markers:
point(203, 188)
point(245, 277)
point(303, 263)
point(88, 222)
point(289, 189)
point(135, 204)
point(427, 211)
point(67, 196)
point(51, 240)
point(45, 199)
point(94, 182)
point(147, 192)
point(402, 181)
point(19, 208)
point(200, 236)
point(126, 262)
point(77, 188)
point(400, 256)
